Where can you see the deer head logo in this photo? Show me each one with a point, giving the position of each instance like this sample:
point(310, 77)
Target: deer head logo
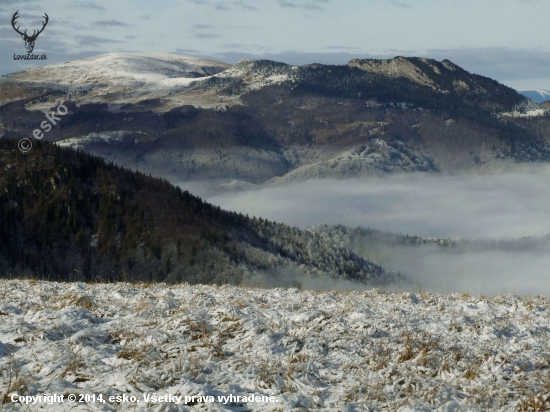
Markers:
point(29, 40)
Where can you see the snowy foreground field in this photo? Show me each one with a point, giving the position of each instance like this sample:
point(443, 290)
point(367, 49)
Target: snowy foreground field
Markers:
point(290, 349)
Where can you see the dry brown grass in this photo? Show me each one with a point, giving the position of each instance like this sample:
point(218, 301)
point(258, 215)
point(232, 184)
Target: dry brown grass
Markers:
point(456, 354)
point(288, 379)
point(72, 367)
point(445, 367)
point(423, 358)
point(529, 304)
point(266, 374)
point(132, 349)
point(299, 358)
point(131, 353)
point(229, 332)
point(422, 365)
point(17, 382)
point(217, 351)
point(407, 352)
point(199, 330)
point(142, 304)
point(230, 319)
point(534, 403)
point(381, 361)
point(454, 326)
point(473, 370)
point(539, 401)
point(19, 385)
point(72, 299)
point(195, 366)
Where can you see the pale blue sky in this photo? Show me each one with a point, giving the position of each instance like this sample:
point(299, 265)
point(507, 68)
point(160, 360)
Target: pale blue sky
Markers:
point(504, 39)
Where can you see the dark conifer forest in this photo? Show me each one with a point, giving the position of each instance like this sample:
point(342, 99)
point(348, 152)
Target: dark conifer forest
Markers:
point(67, 215)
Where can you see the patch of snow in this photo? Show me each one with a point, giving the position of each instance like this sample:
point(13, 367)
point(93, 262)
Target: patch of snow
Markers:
point(81, 142)
point(379, 142)
point(124, 77)
point(528, 108)
point(237, 185)
point(530, 113)
point(256, 76)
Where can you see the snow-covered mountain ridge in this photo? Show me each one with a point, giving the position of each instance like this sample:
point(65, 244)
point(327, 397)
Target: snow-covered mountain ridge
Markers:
point(264, 121)
point(121, 77)
point(538, 95)
point(256, 74)
point(128, 77)
point(345, 351)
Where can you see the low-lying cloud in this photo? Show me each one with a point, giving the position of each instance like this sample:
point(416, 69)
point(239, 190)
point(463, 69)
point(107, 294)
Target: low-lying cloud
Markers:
point(509, 205)
point(506, 218)
point(489, 272)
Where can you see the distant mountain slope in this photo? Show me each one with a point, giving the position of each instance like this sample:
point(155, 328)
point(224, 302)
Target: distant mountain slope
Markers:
point(537, 95)
point(67, 215)
point(185, 143)
point(446, 78)
point(410, 80)
point(263, 121)
point(120, 77)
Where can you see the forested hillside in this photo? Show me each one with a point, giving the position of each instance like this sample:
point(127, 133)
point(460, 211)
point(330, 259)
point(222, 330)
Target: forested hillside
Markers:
point(67, 215)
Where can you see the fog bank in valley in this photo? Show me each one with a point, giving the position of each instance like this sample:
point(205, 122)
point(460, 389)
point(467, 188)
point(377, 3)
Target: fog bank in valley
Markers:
point(485, 271)
point(489, 210)
point(509, 205)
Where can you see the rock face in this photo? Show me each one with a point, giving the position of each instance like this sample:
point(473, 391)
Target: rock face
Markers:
point(397, 67)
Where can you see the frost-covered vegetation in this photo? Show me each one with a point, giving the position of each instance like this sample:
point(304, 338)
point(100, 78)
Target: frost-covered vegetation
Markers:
point(312, 350)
